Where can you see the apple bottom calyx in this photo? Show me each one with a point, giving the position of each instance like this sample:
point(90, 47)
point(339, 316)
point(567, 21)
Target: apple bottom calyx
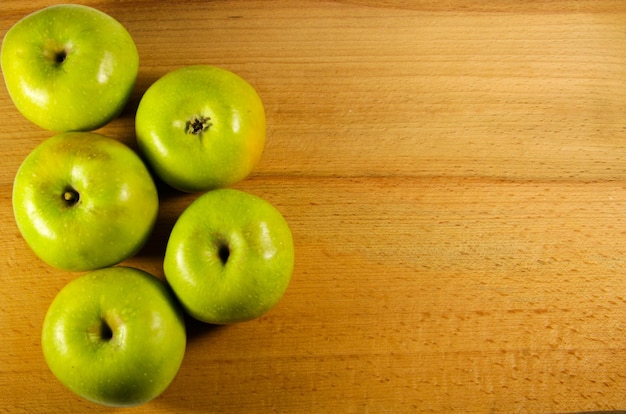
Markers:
point(198, 124)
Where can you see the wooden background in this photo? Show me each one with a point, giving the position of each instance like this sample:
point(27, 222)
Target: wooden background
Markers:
point(454, 174)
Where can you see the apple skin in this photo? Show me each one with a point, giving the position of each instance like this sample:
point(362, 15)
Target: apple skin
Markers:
point(115, 336)
point(229, 257)
point(113, 211)
point(201, 127)
point(69, 67)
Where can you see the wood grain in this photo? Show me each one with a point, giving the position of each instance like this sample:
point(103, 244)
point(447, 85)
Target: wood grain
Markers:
point(454, 174)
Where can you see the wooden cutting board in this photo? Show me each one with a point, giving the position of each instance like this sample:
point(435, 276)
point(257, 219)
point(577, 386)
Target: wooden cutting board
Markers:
point(454, 174)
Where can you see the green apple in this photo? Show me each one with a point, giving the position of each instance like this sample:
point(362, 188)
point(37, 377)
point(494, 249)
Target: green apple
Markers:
point(229, 257)
point(201, 128)
point(84, 201)
point(115, 336)
point(69, 67)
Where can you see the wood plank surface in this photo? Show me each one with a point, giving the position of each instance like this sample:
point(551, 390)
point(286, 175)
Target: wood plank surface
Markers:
point(454, 174)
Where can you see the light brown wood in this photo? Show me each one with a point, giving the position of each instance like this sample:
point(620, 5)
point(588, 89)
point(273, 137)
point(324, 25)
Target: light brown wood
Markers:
point(454, 174)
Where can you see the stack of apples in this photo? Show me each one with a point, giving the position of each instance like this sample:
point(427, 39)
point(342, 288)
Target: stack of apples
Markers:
point(85, 202)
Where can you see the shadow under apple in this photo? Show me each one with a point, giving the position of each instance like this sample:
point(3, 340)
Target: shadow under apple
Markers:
point(171, 205)
point(197, 330)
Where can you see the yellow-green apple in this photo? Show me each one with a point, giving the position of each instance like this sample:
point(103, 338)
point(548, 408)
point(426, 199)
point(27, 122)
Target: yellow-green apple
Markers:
point(115, 336)
point(201, 127)
point(84, 201)
point(229, 257)
point(69, 67)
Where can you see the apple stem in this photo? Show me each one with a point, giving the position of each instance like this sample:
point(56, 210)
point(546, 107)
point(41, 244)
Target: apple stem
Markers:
point(71, 196)
point(198, 124)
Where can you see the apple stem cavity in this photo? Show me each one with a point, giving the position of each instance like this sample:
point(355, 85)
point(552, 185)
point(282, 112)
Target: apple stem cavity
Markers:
point(60, 56)
point(106, 333)
point(71, 196)
point(223, 252)
point(198, 124)
point(56, 53)
point(101, 332)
